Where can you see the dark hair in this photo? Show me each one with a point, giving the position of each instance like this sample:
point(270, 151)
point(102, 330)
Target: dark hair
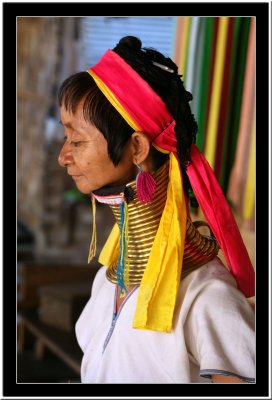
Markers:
point(95, 108)
point(168, 86)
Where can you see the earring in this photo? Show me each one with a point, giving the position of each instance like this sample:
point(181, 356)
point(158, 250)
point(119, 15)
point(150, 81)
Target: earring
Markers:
point(145, 186)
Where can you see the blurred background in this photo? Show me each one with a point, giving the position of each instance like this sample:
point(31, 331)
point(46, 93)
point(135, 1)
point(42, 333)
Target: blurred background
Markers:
point(215, 56)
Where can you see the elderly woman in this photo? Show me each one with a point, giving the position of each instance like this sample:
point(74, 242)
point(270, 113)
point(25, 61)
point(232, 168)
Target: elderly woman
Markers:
point(164, 308)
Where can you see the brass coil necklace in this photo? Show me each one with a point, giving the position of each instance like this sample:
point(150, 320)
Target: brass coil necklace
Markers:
point(143, 223)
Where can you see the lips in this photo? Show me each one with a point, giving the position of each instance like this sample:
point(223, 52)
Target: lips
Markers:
point(76, 177)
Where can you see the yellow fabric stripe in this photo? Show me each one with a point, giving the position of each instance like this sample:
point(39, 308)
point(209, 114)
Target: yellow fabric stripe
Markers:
point(220, 53)
point(115, 103)
point(160, 149)
point(92, 251)
point(180, 41)
point(113, 100)
point(183, 60)
point(160, 282)
point(179, 36)
point(111, 249)
point(159, 286)
point(249, 194)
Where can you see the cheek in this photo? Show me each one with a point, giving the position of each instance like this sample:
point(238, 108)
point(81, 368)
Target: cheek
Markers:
point(92, 160)
point(97, 168)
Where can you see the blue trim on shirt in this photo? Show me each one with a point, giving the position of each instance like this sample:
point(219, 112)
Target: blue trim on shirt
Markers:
point(207, 373)
point(115, 316)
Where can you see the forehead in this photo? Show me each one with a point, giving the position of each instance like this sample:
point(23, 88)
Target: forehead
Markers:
point(68, 113)
point(75, 122)
point(67, 117)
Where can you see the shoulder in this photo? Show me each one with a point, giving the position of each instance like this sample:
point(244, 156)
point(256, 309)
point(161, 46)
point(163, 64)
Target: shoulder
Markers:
point(216, 308)
point(211, 276)
point(219, 326)
point(212, 291)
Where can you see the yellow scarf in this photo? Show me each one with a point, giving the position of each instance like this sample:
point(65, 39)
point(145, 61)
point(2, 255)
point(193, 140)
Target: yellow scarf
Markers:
point(160, 283)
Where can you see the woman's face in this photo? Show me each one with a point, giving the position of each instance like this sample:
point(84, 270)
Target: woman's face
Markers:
point(85, 155)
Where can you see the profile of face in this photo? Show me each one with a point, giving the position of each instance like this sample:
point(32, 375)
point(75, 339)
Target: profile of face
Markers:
point(85, 154)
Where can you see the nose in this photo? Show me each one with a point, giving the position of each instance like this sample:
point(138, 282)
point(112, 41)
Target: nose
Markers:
point(65, 156)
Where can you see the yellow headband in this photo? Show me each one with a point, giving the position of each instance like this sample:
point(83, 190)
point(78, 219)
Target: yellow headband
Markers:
point(160, 283)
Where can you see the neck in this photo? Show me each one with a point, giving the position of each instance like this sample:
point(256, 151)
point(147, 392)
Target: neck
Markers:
point(143, 223)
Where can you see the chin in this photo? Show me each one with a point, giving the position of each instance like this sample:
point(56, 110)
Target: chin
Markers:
point(86, 189)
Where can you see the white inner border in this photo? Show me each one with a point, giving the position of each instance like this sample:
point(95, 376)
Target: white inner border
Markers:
point(1, 203)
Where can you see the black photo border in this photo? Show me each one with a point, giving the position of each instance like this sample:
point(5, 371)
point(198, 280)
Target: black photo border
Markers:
point(261, 388)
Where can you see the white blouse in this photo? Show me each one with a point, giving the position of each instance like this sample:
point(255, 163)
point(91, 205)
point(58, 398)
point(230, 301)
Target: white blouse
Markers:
point(213, 333)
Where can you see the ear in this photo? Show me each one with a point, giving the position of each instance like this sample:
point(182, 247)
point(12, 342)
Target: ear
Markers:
point(140, 147)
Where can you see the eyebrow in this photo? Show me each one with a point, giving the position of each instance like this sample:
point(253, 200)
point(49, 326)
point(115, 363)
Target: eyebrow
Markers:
point(68, 125)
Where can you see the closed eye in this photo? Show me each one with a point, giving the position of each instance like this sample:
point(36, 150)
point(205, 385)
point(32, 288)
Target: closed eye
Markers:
point(76, 144)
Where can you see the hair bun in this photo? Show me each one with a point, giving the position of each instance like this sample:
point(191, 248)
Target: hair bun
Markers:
point(189, 96)
point(131, 41)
